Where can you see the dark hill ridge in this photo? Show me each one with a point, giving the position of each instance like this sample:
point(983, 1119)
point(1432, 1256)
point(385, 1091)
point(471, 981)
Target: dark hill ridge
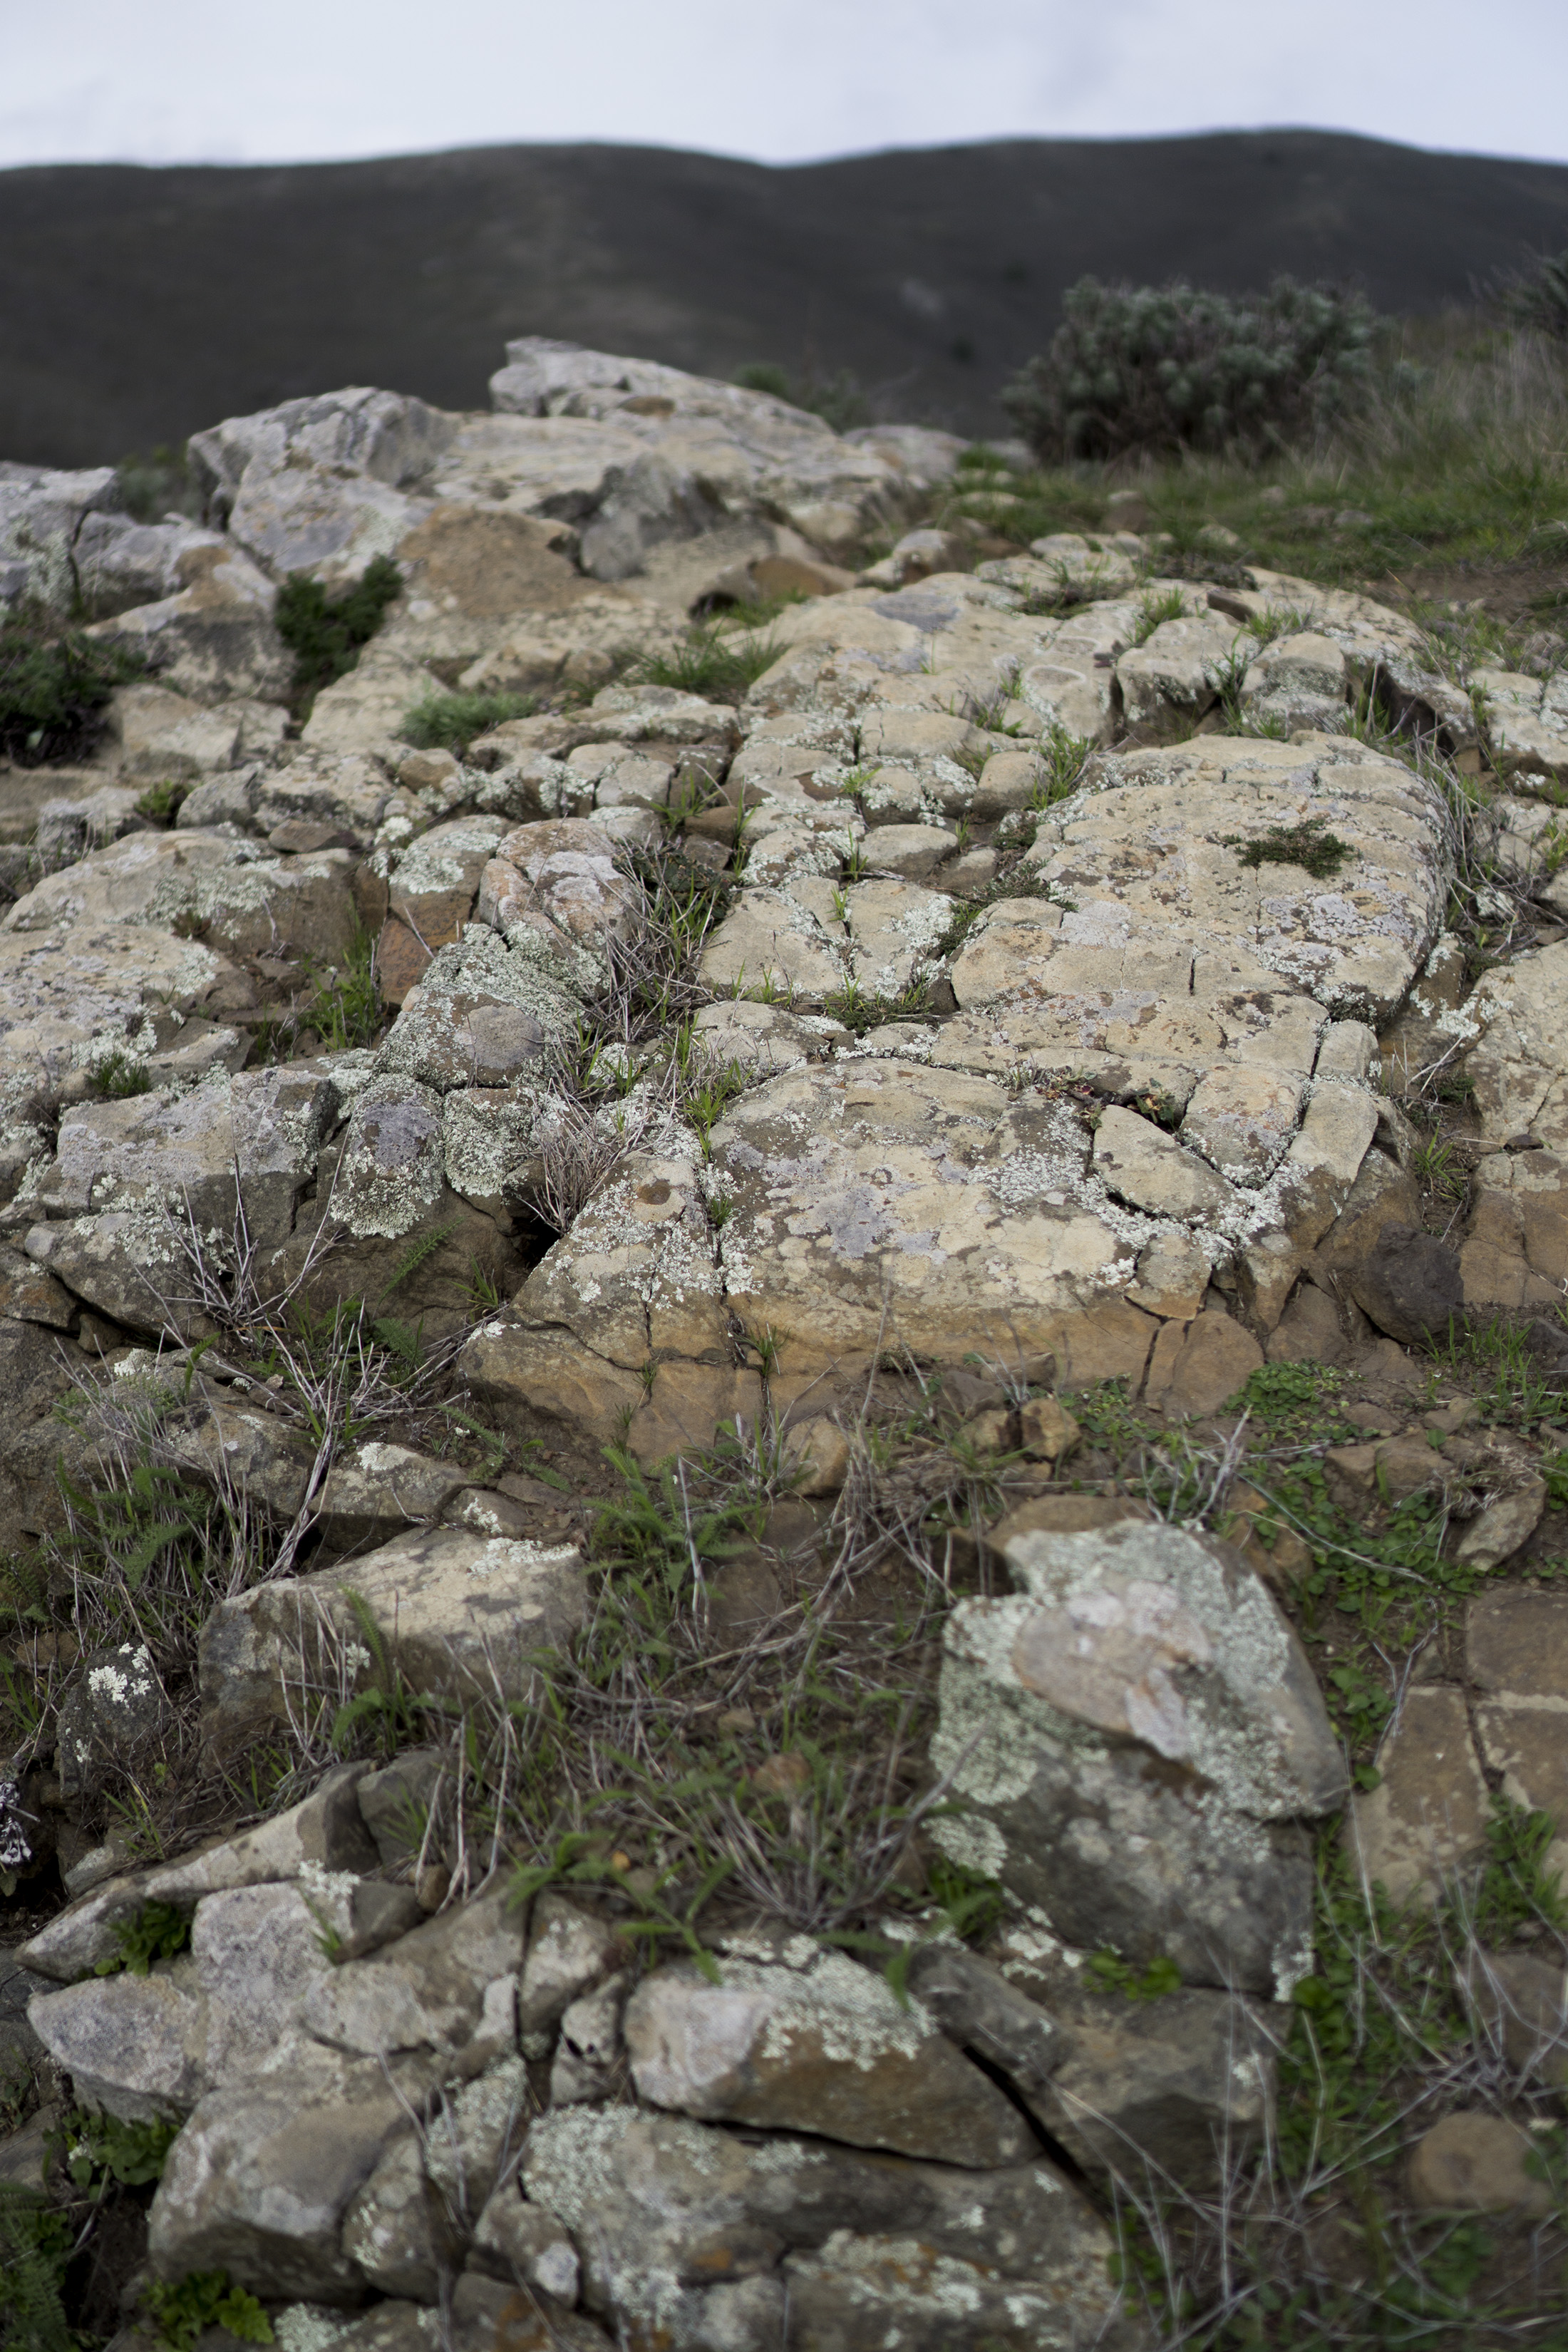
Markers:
point(139, 304)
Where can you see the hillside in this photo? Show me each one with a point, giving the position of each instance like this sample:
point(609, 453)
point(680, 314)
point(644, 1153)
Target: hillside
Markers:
point(141, 304)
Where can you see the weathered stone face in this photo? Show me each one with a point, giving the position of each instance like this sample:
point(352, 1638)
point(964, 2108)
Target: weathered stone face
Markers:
point(1134, 1736)
point(891, 1205)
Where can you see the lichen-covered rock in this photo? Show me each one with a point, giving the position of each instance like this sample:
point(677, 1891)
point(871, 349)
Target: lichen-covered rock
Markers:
point(706, 2236)
point(813, 2042)
point(884, 1204)
point(1134, 1738)
point(260, 2177)
point(72, 995)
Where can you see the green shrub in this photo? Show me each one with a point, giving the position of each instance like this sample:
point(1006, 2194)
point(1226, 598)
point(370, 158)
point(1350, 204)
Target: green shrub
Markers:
point(1156, 369)
point(36, 2245)
point(449, 722)
point(54, 683)
point(327, 634)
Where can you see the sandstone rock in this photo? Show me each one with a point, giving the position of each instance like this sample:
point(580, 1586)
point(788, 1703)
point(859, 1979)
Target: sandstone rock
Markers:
point(463, 1610)
point(374, 1493)
point(72, 995)
point(1178, 2087)
point(514, 2240)
point(569, 1949)
point(325, 1831)
point(396, 2231)
point(42, 512)
point(1523, 2004)
point(558, 883)
point(1516, 1642)
point(817, 2043)
point(1503, 1528)
point(117, 1700)
point(885, 1203)
point(392, 1170)
point(1427, 1816)
point(1197, 1367)
point(1150, 1169)
point(1388, 1470)
point(770, 942)
point(589, 2056)
point(634, 1282)
point(1474, 2163)
point(320, 484)
point(258, 2180)
point(213, 636)
point(449, 1986)
point(393, 1801)
point(1204, 1862)
point(260, 1130)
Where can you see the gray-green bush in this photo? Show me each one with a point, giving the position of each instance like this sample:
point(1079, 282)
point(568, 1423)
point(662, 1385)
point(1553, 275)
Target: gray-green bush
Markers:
point(1144, 369)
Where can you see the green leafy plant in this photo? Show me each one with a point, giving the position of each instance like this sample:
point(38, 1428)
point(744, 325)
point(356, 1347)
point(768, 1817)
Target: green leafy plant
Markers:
point(54, 684)
point(327, 634)
point(345, 1009)
point(98, 2149)
point(1309, 845)
point(1111, 1973)
point(156, 1932)
point(1157, 370)
point(451, 722)
point(180, 2310)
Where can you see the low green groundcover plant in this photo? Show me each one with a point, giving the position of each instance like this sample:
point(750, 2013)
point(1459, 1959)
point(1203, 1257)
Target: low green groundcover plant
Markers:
point(54, 684)
point(327, 634)
point(1145, 369)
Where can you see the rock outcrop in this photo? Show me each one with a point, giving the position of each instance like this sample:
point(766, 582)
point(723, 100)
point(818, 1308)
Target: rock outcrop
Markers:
point(971, 978)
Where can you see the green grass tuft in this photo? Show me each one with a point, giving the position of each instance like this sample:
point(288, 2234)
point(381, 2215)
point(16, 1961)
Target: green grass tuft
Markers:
point(451, 722)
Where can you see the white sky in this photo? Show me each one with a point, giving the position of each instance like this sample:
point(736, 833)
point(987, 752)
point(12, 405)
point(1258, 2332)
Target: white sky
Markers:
point(779, 80)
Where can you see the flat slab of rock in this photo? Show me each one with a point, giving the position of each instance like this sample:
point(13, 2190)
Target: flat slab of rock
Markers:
point(1427, 1816)
point(72, 994)
point(887, 1203)
point(1135, 1736)
point(326, 1833)
point(819, 2045)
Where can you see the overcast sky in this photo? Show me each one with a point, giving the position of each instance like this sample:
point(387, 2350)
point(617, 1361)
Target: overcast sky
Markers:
point(780, 80)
